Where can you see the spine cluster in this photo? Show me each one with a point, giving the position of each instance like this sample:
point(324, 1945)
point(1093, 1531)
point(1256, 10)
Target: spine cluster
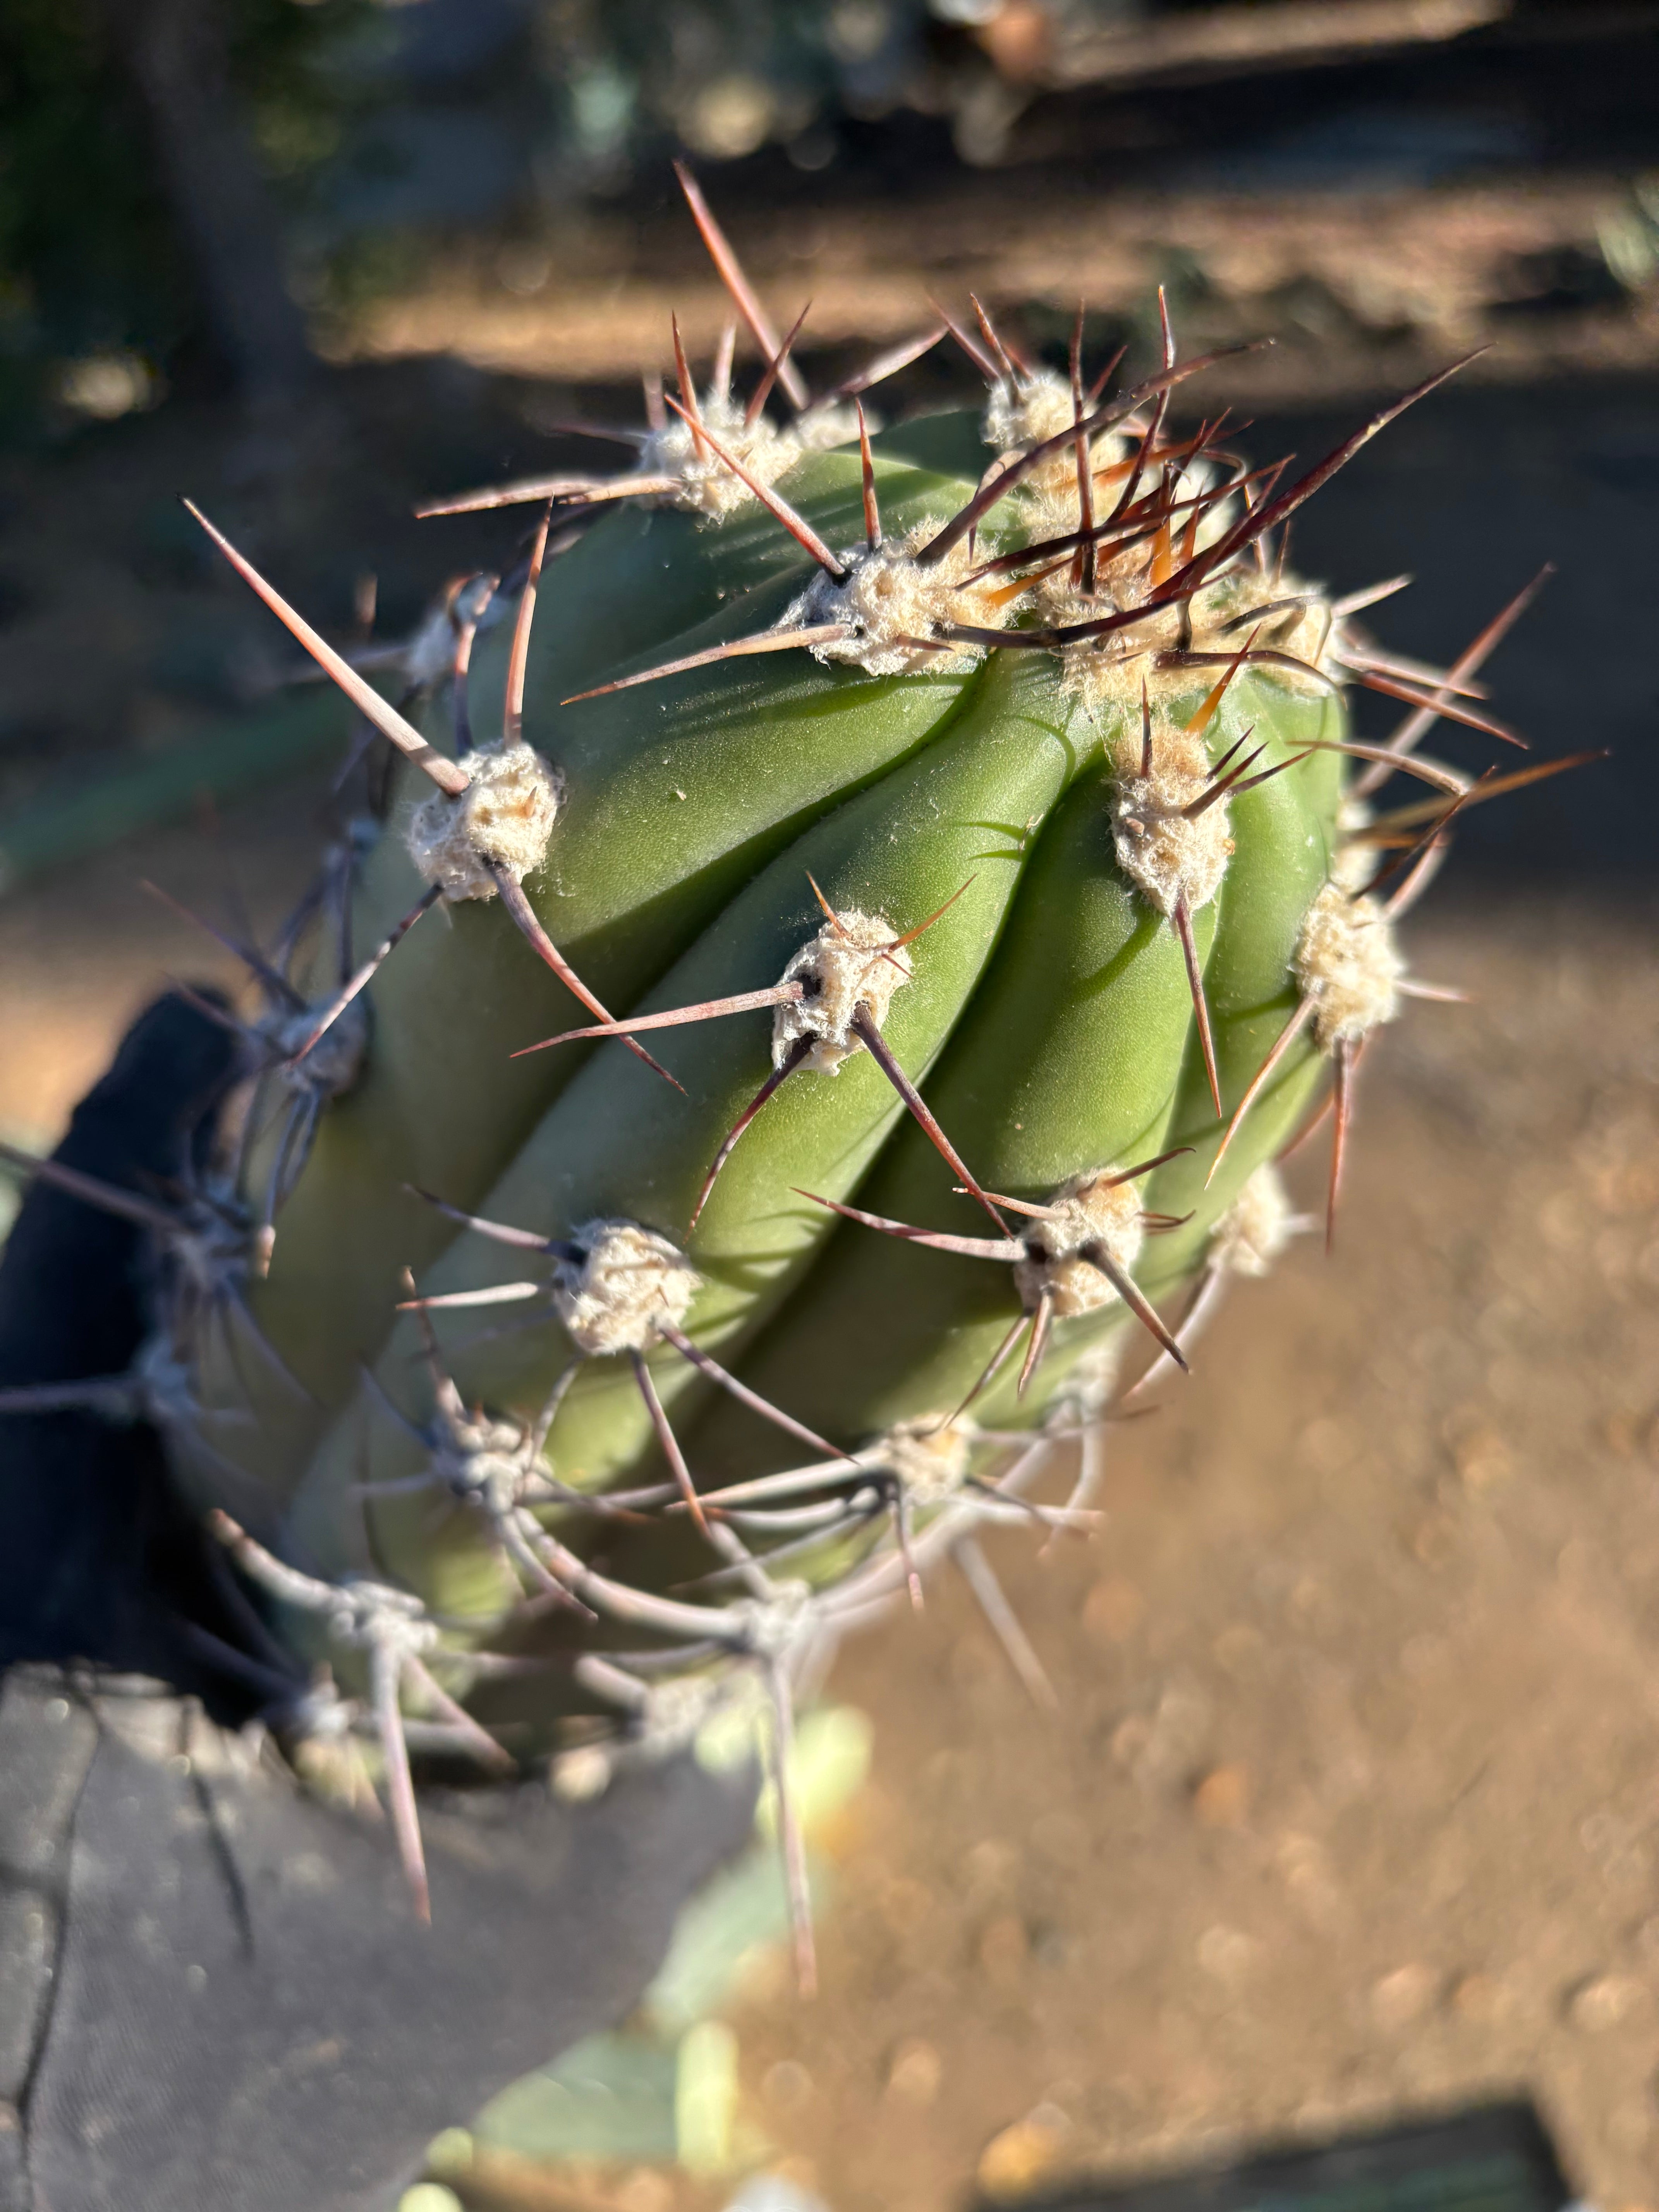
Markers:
point(1138, 567)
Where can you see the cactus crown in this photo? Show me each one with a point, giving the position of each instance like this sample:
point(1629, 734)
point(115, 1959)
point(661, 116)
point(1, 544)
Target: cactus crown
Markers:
point(556, 1368)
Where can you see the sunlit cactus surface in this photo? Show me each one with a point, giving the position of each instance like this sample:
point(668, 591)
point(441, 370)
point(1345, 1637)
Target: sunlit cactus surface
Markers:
point(846, 923)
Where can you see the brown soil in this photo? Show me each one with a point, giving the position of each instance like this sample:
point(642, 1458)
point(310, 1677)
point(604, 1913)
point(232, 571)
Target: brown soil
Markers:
point(1357, 288)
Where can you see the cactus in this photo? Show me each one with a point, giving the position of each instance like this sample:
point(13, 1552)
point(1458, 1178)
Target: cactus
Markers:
point(922, 882)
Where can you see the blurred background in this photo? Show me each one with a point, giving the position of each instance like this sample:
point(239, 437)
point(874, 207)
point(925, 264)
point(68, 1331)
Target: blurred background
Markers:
point(1347, 1805)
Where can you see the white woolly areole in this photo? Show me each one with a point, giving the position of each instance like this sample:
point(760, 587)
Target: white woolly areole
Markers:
point(1039, 409)
point(828, 424)
point(706, 485)
point(335, 1061)
point(1347, 963)
point(1255, 1228)
point(931, 1462)
point(1029, 410)
point(627, 1279)
point(853, 962)
point(506, 815)
point(888, 596)
point(1089, 1209)
point(1165, 853)
point(1104, 675)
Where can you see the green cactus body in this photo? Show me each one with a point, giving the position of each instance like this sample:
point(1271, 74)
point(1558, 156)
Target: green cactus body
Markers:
point(1048, 1011)
point(1016, 813)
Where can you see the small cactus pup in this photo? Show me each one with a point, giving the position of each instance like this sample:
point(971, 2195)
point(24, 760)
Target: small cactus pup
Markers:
point(850, 919)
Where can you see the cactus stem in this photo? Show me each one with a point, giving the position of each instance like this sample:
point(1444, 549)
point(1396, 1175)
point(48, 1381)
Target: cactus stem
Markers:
point(799, 528)
point(1182, 921)
point(774, 366)
point(362, 695)
point(765, 640)
point(1004, 1622)
point(743, 296)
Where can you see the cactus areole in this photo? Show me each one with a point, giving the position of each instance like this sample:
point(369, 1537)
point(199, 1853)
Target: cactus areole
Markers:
point(893, 903)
